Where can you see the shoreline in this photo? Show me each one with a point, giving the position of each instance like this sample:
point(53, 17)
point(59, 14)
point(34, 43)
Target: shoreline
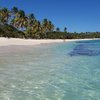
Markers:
point(32, 42)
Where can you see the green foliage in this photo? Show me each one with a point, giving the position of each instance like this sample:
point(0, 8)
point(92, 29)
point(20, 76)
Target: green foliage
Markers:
point(15, 23)
point(10, 31)
point(56, 35)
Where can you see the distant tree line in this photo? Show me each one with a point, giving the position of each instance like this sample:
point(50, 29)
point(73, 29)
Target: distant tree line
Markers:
point(15, 23)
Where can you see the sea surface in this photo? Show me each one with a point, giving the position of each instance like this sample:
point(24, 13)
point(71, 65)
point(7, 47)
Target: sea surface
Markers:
point(58, 71)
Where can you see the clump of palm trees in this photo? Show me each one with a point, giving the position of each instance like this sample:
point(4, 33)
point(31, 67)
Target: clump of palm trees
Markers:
point(17, 24)
point(32, 27)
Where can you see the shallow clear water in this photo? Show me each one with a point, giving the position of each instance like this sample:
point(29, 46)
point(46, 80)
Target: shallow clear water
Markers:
point(62, 71)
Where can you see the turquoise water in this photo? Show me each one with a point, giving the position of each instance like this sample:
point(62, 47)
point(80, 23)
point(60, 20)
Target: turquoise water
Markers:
point(59, 71)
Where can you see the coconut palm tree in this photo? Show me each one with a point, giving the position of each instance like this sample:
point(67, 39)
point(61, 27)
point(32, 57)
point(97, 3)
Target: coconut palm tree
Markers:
point(14, 11)
point(65, 29)
point(1, 14)
point(4, 15)
point(21, 20)
point(50, 26)
point(45, 25)
point(31, 19)
point(36, 29)
point(58, 29)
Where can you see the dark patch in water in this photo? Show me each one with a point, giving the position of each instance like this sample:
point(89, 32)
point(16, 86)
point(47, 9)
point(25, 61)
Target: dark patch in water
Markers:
point(89, 41)
point(83, 50)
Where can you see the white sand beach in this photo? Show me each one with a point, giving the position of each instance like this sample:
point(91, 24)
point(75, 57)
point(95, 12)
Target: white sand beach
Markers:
point(17, 41)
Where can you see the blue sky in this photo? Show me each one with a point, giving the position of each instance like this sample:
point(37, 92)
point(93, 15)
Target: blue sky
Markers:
point(77, 15)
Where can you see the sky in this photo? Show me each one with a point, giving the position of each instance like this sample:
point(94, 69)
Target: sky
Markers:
point(76, 15)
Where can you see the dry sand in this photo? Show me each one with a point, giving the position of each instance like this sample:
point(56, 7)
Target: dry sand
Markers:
point(17, 41)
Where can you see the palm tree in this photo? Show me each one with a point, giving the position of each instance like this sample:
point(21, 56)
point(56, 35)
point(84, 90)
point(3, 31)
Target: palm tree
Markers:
point(30, 24)
point(36, 29)
point(4, 15)
point(31, 19)
point(1, 14)
point(14, 10)
point(14, 13)
point(45, 25)
point(21, 20)
point(65, 29)
point(58, 29)
point(50, 26)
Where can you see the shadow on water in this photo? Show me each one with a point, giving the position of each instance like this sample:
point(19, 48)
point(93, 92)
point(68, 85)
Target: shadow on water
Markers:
point(86, 48)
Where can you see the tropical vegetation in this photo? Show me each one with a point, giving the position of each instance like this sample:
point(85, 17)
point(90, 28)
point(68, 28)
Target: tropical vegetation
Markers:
point(17, 24)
